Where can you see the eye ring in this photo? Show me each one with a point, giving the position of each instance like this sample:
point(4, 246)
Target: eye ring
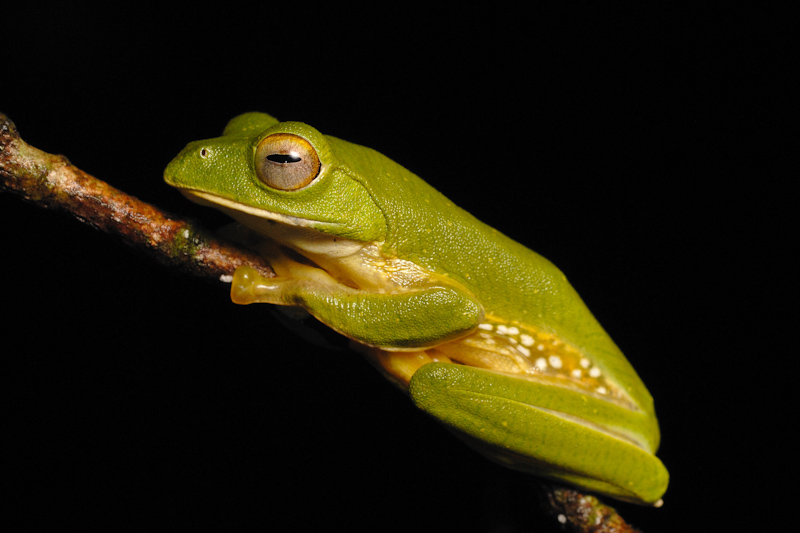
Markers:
point(286, 162)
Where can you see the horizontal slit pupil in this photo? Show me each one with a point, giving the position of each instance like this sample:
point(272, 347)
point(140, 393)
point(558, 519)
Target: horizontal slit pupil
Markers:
point(283, 158)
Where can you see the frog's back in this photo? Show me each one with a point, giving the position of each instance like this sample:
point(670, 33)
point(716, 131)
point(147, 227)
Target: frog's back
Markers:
point(521, 292)
point(510, 280)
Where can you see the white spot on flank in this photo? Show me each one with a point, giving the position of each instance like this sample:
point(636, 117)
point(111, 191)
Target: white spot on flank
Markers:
point(577, 373)
point(524, 351)
point(594, 372)
point(513, 331)
point(585, 363)
point(226, 278)
point(540, 347)
point(555, 361)
point(541, 363)
point(487, 327)
point(602, 390)
point(526, 340)
point(562, 519)
point(502, 330)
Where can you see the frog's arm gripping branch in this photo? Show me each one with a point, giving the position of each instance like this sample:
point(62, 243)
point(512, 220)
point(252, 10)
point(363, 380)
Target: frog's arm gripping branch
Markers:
point(50, 181)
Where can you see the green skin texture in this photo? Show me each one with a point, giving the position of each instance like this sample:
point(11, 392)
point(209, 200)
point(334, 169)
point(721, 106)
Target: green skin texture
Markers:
point(360, 195)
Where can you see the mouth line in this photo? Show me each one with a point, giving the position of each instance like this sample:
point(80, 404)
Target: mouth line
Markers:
point(213, 200)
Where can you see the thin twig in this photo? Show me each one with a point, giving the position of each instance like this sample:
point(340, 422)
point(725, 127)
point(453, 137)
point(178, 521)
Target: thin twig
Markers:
point(584, 513)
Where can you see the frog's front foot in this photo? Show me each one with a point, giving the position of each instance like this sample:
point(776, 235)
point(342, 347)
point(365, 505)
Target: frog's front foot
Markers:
point(248, 286)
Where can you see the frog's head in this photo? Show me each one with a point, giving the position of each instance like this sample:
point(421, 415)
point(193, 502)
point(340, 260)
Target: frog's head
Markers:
point(280, 179)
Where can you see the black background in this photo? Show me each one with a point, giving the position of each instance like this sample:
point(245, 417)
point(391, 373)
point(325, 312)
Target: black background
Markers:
point(625, 146)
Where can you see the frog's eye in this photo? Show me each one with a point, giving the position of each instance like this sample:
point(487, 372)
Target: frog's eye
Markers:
point(286, 162)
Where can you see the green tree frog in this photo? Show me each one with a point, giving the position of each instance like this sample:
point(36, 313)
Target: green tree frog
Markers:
point(484, 334)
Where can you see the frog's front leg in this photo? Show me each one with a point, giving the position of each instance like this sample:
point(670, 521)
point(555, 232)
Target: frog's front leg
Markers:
point(403, 319)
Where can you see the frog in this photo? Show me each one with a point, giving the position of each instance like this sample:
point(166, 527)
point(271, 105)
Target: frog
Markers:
point(482, 333)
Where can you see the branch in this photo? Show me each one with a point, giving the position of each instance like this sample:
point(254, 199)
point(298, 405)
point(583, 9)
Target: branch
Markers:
point(52, 182)
point(583, 513)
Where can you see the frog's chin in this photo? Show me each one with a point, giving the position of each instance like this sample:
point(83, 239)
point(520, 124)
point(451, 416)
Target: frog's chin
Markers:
point(305, 235)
